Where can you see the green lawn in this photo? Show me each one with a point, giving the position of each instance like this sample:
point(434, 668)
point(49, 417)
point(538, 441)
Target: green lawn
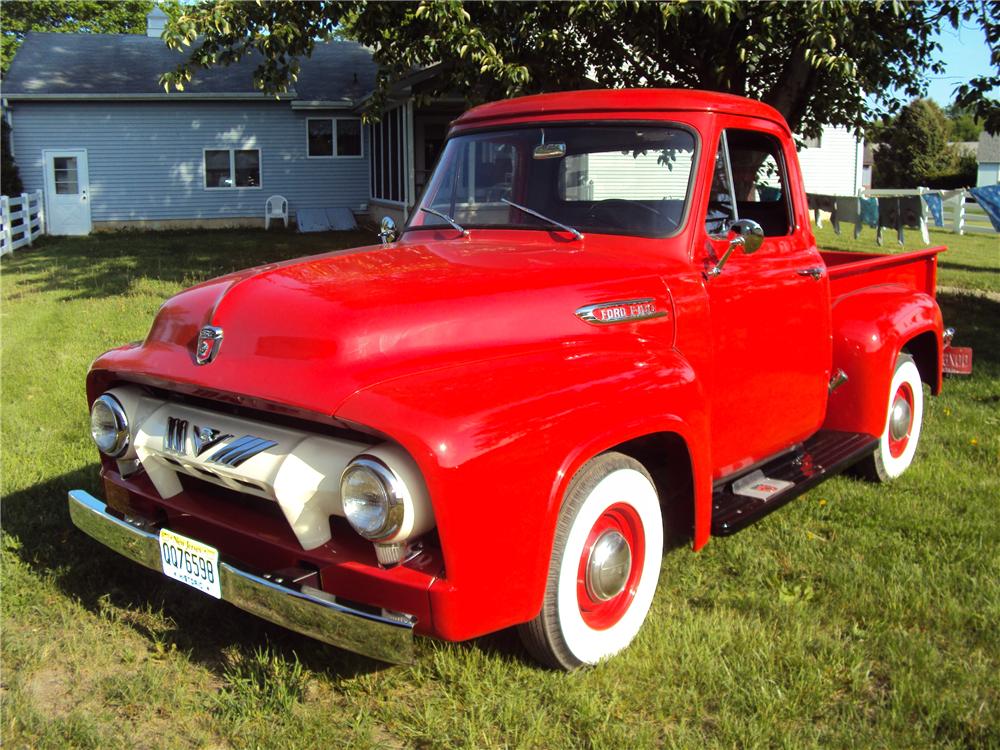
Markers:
point(972, 261)
point(858, 616)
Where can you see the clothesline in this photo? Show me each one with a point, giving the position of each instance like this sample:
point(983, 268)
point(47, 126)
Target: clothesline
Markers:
point(902, 209)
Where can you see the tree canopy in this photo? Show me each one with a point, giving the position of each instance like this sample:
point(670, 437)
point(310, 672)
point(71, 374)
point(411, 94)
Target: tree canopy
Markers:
point(843, 63)
point(124, 17)
point(914, 147)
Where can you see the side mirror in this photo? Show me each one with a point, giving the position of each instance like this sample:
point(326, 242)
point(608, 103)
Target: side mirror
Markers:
point(751, 233)
point(387, 230)
point(745, 233)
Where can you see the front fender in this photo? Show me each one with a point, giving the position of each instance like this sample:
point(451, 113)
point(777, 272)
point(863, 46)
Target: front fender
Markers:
point(499, 440)
point(870, 329)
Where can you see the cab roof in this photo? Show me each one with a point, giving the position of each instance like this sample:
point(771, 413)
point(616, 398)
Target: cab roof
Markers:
point(595, 102)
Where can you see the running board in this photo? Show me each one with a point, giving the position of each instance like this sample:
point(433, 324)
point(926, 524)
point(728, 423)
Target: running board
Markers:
point(740, 500)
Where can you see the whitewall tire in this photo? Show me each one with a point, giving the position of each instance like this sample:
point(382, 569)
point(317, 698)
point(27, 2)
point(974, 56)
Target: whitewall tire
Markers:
point(604, 566)
point(904, 418)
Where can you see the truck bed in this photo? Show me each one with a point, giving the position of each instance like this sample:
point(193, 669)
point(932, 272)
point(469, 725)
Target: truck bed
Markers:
point(850, 271)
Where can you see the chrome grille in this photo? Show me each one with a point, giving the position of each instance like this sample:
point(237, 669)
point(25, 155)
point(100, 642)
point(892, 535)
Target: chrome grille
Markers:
point(176, 435)
point(240, 450)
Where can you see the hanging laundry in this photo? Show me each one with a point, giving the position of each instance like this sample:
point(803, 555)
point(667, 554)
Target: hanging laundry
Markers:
point(869, 211)
point(889, 218)
point(912, 215)
point(849, 212)
point(823, 203)
point(768, 194)
point(935, 204)
point(989, 199)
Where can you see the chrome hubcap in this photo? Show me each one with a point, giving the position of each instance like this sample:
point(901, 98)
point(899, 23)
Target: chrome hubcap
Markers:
point(899, 422)
point(609, 566)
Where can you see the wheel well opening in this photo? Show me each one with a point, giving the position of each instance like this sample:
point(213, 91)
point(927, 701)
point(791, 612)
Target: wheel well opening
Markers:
point(665, 456)
point(924, 350)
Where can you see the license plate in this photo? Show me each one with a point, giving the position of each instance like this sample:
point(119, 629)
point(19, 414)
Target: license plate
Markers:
point(958, 360)
point(190, 561)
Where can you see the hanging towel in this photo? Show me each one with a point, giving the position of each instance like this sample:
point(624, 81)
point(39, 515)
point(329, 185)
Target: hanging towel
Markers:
point(849, 212)
point(889, 218)
point(768, 194)
point(989, 199)
point(912, 214)
point(823, 203)
point(933, 201)
point(869, 211)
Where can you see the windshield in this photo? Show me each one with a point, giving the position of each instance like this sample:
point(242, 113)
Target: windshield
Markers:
point(610, 179)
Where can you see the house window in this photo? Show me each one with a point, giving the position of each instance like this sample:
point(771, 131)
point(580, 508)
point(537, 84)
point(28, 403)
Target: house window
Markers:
point(333, 137)
point(232, 168)
point(388, 150)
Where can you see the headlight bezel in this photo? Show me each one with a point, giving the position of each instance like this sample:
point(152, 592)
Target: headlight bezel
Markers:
point(122, 436)
point(394, 492)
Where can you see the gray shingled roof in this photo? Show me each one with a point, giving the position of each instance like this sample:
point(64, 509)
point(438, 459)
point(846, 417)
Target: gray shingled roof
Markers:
point(70, 65)
point(989, 148)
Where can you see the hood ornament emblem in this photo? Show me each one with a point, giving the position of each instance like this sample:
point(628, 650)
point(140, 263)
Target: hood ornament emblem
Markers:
point(209, 343)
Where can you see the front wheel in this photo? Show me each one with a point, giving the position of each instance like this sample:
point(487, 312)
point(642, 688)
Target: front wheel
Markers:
point(604, 566)
point(898, 442)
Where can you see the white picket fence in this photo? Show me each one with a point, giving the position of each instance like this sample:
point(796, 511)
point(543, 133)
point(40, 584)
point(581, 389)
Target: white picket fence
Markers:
point(961, 213)
point(22, 220)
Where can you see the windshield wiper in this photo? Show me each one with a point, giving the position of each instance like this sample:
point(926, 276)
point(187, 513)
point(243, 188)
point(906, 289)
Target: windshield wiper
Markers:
point(447, 218)
point(575, 232)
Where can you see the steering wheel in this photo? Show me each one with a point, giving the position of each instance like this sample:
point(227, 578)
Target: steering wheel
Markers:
point(609, 205)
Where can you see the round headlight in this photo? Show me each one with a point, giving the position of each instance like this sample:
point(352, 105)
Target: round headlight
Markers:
point(373, 498)
point(109, 426)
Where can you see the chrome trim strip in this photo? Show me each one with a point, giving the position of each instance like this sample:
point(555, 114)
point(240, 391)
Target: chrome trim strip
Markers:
point(588, 312)
point(241, 450)
point(309, 611)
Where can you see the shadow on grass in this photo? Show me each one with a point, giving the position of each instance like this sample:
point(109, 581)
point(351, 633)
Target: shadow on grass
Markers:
point(38, 524)
point(965, 267)
point(975, 321)
point(109, 264)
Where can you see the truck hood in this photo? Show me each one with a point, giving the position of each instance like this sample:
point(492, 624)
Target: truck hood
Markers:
point(309, 333)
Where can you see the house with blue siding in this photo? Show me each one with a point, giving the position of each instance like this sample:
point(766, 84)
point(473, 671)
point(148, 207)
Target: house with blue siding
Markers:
point(94, 130)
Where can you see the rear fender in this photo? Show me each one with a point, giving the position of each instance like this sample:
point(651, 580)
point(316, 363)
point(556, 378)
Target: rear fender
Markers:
point(870, 329)
point(498, 442)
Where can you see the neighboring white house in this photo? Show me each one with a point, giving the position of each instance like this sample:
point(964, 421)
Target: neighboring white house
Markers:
point(833, 164)
point(988, 157)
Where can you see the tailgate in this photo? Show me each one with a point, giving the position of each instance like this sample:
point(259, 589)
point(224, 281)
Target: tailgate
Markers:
point(849, 272)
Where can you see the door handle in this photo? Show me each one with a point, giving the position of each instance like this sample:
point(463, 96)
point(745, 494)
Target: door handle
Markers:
point(816, 273)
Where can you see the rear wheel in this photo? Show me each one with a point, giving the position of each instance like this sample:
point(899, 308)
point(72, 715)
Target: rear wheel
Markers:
point(604, 566)
point(898, 442)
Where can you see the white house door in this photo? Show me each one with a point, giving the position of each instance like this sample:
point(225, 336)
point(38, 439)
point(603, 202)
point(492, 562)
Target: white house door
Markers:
point(67, 191)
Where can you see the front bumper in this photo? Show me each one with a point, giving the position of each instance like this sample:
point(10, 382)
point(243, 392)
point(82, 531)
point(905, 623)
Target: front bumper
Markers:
point(307, 611)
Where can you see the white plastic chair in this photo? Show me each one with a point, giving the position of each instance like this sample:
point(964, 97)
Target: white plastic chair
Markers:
point(276, 207)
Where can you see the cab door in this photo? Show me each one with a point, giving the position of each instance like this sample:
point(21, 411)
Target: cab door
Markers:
point(770, 311)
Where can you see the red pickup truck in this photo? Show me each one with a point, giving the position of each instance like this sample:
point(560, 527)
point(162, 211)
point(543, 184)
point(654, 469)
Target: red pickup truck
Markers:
point(606, 319)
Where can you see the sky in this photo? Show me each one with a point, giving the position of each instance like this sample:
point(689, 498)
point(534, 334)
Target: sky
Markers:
point(966, 55)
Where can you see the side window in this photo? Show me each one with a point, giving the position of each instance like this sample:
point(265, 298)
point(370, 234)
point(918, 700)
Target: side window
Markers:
point(721, 209)
point(760, 182)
